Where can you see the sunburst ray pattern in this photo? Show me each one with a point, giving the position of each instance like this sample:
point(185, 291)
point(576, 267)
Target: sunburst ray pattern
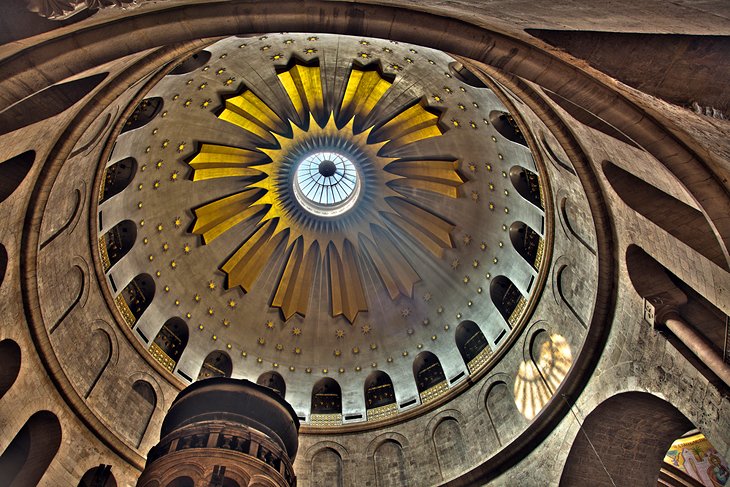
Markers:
point(337, 246)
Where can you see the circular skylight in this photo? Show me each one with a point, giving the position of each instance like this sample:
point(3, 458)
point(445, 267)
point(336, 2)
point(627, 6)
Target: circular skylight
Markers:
point(326, 183)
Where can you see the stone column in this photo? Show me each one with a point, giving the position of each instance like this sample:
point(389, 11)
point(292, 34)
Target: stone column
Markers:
point(225, 433)
point(668, 315)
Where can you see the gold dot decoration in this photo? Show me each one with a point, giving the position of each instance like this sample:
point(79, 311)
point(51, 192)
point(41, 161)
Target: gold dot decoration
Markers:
point(261, 341)
point(296, 331)
point(340, 333)
point(366, 328)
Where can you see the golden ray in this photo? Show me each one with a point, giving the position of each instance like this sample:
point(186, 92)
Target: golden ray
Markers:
point(267, 201)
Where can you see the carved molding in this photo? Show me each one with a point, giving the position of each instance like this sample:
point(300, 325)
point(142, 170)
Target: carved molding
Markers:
point(64, 9)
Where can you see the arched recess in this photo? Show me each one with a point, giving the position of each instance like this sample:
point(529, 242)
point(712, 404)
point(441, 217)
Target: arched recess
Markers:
point(192, 63)
point(572, 292)
point(3, 263)
point(527, 184)
point(430, 377)
point(508, 299)
point(576, 223)
point(139, 406)
point(27, 457)
point(117, 177)
point(170, 342)
point(181, 482)
point(10, 357)
point(217, 364)
point(326, 397)
point(505, 124)
point(460, 72)
point(100, 476)
point(135, 298)
point(47, 103)
point(554, 157)
point(144, 113)
point(116, 243)
point(527, 242)
point(506, 420)
point(13, 171)
point(540, 374)
point(657, 284)
point(472, 345)
point(96, 357)
point(673, 216)
point(450, 447)
point(76, 288)
point(379, 395)
point(390, 465)
point(274, 381)
point(327, 469)
point(623, 441)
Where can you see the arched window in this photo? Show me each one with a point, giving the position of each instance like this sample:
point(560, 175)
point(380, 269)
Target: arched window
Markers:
point(274, 381)
point(27, 457)
point(100, 476)
point(47, 103)
point(192, 63)
point(117, 242)
point(429, 375)
point(326, 399)
point(508, 299)
point(668, 213)
point(527, 242)
point(136, 297)
point(181, 482)
point(9, 365)
point(472, 345)
point(460, 72)
point(505, 124)
point(216, 364)
point(527, 184)
point(13, 171)
point(117, 177)
point(170, 342)
point(144, 113)
point(379, 396)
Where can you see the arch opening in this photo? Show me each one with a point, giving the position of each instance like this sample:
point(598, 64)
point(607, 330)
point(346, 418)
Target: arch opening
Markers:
point(136, 298)
point(170, 342)
point(274, 381)
point(508, 299)
point(430, 377)
point(472, 345)
point(527, 184)
point(217, 364)
point(117, 177)
point(29, 454)
point(117, 243)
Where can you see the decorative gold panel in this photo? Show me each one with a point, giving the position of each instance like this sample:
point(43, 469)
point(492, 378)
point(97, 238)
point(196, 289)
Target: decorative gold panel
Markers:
point(382, 412)
point(477, 362)
point(514, 318)
point(325, 419)
point(103, 254)
point(162, 357)
point(540, 253)
point(123, 308)
point(433, 392)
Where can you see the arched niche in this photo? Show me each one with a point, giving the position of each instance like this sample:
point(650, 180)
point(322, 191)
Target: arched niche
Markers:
point(192, 63)
point(505, 124)
point(628, 422)
point(96, 358)
point(217, 364)
point(668, 213)
point(507, 298)
point(554, 157)
point(13, 171)
point(139, 406)
point(571, 289)
point(143, 114)
point(527, 184)
point(576, 223)
point(3, 263)
point(505, 419)
point(527, 242)
point(460, 72)
point(326, 397)
point(390, 465)
point(10, 357)
point(429, 375)
point(274, 381)
point(327, 469)
point(116, 243)
point(100, 476)
point(136, 297)
point(117, 177)
point(451, 452)
point(181, 482)
point(379, 392)
point(170, 342)
point(472, 345)
point(47, 103)
point(27, 457)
